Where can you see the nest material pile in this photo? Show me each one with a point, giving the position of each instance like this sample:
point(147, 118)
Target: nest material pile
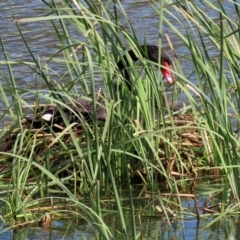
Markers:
point(186, 137)
point(190, 142)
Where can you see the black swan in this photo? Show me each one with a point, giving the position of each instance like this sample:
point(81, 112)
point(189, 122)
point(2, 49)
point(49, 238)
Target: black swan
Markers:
point(151, 53)
point(52, 116)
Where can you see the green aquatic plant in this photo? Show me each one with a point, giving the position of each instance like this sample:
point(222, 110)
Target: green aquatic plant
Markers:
point(141, 138)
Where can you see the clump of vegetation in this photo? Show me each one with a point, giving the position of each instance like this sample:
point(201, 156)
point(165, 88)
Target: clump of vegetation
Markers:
point(140, 140)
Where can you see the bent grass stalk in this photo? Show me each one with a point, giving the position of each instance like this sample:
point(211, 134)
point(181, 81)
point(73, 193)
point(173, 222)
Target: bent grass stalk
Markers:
point(219, 77)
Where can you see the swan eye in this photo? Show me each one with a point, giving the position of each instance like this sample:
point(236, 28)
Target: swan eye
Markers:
point(47, 117)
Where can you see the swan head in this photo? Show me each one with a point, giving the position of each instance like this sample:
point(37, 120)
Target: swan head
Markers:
point(166, 72)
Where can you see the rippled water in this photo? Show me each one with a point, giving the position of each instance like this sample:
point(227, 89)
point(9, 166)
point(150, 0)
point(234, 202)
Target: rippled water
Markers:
point(44, 44)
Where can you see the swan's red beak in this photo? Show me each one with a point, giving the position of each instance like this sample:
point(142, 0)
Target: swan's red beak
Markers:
point(167, 72)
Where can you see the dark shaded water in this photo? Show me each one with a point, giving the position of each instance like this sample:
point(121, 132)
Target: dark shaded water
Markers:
point(44, 45)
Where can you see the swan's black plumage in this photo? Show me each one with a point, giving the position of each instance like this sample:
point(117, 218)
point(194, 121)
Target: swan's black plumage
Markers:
point(150, 52)
point(51, 115)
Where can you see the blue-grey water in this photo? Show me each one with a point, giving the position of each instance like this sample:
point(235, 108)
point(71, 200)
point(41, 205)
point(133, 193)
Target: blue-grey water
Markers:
point(44, 44)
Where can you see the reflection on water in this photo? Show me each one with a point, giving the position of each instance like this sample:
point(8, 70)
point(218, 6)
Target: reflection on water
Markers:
point(153, 227)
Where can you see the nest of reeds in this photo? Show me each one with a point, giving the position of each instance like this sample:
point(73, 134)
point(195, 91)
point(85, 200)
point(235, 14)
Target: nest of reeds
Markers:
point(190, 143)
point(185, 137)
